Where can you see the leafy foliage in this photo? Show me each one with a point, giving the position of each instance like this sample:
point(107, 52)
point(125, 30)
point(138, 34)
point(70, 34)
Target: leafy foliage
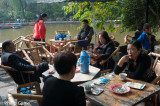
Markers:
point(134, 12)
point(103, 12)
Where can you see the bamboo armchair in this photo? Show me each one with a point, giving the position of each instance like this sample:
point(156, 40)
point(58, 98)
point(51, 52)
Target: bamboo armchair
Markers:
point(62, 32)
point(127, 39)
point(27, 42)
point(32, 85)
point(29, 37)
point(12, 102)
point(156, 67)
point(38, 54)
point(59, 45)
point(18, 43)
point(104, 61)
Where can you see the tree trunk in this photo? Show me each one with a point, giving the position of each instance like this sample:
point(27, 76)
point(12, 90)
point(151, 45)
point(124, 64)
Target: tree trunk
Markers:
point(22, 8)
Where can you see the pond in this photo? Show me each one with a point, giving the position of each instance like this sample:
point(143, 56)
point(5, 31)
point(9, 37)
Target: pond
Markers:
point(6, 34)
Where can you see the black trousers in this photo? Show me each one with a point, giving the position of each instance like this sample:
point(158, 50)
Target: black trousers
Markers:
point(39, 39)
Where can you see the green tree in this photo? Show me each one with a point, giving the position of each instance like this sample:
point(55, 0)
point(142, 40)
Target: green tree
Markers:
point(103, 12)
point(17, 7)
point(134, 12)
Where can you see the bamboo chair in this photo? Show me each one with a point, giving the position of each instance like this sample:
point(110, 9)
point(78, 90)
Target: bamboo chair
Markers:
point(12, 102)
point(32, 85)
point(127, 39)
point(27, 42)
point(60, 47)
point(104, 61)
point(29, 37)
point(156, 67)
point(35, 55)
point(72, 47)
point(18, 43)
point(45, 44)
point(62, 32)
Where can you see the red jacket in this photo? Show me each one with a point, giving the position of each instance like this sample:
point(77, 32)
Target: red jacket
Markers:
point(39, 30)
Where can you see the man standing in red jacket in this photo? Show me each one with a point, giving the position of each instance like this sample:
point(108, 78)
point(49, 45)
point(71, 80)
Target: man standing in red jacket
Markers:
point(39, 32)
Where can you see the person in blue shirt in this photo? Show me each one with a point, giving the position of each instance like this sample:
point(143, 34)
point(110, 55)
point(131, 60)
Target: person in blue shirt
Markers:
point(144, 37)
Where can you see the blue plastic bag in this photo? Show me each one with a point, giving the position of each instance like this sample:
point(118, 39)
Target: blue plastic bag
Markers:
point(61, 36)
point(24, 91)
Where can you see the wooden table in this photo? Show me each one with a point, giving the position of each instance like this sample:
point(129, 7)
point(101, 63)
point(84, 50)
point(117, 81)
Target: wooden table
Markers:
point(134, 97)
point(61, 44)
point(79, 77)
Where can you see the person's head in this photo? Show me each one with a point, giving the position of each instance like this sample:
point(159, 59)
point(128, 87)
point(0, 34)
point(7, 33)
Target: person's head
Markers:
point(134, 49)
point(65, 64)
point(147, 28)
point(103, 37)
point(85, 23)
point(140, 27)
point(9, 46)
point(42, 17)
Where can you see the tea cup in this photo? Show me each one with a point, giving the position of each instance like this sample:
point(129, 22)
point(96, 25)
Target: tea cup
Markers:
point(122, 76)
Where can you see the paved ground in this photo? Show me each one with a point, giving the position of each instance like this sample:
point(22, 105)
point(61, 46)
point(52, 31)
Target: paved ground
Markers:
point(7, 85)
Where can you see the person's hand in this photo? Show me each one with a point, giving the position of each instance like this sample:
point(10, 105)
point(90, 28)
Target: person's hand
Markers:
point(41, 40)
point(86, 38)
point(97, 56)
point(37, 68)
point(91, 54)
point(123, 60)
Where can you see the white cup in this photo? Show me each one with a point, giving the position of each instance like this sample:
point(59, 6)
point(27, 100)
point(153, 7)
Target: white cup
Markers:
point(122, 76)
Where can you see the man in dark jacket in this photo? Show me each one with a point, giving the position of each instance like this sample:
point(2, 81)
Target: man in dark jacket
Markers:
point(10, 58)
point(86, 32)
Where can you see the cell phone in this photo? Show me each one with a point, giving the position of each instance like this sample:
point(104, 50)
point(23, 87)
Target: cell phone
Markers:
point(97, 91)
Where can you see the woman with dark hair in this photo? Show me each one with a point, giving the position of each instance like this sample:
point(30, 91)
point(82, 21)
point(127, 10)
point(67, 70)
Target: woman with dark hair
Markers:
point(103, 50)
point(137, 64)
point(61, 91)
point(39, 32)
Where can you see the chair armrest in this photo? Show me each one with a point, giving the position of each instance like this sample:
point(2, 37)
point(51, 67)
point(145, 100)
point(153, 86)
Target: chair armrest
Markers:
point(103, 61)
point(28, 72)
point(11, 100)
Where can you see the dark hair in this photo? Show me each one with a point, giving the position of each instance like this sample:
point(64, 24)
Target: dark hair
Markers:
point(140, 26)
point(136, 43)
point(40, 17)
point(146, 26)
point(86, 21)
point(64, 62)
point(104, 34)
point(5, 44)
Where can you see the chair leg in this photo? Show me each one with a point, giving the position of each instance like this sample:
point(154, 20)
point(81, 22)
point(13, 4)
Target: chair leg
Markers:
point(156, 99)
point(38, 90)
point(18, 100)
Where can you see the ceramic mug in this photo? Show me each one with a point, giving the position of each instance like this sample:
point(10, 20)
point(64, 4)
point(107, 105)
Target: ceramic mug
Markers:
point(122, 76)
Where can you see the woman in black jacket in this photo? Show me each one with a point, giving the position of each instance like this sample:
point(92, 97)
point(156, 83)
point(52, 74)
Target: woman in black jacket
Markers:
point(103, 50)
point(136, 64)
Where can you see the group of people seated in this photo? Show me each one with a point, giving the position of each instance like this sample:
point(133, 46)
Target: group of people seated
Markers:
point(56, 91)
point(60, 91)
point(144, 35)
